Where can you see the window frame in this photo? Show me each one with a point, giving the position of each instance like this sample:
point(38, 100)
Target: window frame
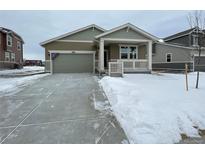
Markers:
point(7, 56)
point(128, 53)
point(19, 45)
point(13, 57)
point(170, 57)
point(7, 40)
point(195, 40)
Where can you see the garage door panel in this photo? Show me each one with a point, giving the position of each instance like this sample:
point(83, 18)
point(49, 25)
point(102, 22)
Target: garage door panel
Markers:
point(73, 63)
point(201, 65)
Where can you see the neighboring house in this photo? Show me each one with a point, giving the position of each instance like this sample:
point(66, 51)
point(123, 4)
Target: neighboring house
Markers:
point(92, 47)
point(11, 49)
point(187, 38)
point(33, 63)
point(180, 49)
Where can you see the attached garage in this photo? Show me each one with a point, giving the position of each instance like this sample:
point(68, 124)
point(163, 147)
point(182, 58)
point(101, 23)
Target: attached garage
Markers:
point(201, 65)
point(72, 61)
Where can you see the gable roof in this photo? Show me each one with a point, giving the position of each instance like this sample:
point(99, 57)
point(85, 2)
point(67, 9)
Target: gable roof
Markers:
point(71, 33)
point(129, 25)
point(180, 34)
point(9, 31)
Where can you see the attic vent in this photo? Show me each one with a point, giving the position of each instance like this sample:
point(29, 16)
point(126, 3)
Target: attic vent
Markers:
point(93, 28)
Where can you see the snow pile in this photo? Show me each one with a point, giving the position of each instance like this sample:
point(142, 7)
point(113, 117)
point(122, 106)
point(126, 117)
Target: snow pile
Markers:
point(99, 103)
point(156, 108)
point(8, 85)
point(25, 69)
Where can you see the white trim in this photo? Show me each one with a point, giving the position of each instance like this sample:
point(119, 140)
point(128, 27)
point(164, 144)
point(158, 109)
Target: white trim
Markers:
point(193, 63)
point(72, 51)
point(125, 40)
point(51, 64)
point(129, 45)
point(72, 32)
point(197, 55)
point(170, 57)
point(130, 26)
point(149, 52)
point(76, 41)
point(101, 56)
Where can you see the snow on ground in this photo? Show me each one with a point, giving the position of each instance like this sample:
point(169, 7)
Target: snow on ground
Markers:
point(25, 69)
point(13, 85)
point(155, 108)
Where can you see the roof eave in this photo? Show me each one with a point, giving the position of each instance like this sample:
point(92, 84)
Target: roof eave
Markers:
point(154, 38)
point(71, 33)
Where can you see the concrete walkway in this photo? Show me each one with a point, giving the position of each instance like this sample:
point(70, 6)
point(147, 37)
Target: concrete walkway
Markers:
point(58, 109)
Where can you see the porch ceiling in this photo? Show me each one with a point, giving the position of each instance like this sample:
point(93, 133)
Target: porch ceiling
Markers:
point(124, 42)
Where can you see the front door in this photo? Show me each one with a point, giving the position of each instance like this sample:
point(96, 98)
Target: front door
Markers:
point(106, 58)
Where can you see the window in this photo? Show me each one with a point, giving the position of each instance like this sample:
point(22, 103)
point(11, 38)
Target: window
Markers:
point(13, 57)
point(7, 56)
point(128, 52)
point(195, 40)
point(9, 40)
point(168, 57)
point(124, 52)
point(18, 45)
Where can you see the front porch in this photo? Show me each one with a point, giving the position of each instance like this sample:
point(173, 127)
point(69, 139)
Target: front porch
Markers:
point(126, 55)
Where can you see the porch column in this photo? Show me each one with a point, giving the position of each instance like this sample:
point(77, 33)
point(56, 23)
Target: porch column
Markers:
point(101, 56)
point(150, 55)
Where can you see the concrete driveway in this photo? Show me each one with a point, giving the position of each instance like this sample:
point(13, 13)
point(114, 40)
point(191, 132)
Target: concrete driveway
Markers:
point(58, 109)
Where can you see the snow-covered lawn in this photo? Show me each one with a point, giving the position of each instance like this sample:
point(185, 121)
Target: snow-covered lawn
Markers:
point(25, 69)
point(13, 85)
point(156, 108)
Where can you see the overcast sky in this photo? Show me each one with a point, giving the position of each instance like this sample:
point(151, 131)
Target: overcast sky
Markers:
point(38, 26)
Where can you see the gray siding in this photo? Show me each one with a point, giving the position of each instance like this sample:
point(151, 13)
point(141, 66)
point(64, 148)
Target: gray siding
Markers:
point(88, 34)
point(184, 40)
point(123, 33)
point(187, 40)
point(178, 54)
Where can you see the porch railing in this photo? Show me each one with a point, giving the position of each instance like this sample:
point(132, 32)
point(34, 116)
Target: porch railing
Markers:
point(115, 69)
point(134, 65)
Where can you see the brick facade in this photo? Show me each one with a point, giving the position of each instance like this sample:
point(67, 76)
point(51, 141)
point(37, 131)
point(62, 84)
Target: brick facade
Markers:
point(13, 50)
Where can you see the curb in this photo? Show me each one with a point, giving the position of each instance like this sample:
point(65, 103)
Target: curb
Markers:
point(21, 75)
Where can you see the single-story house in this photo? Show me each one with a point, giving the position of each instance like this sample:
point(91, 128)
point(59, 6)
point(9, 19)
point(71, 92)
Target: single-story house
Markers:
point(91, 48)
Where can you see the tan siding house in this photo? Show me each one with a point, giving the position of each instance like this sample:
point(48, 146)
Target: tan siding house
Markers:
point(127, 44)
point(93, 48)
